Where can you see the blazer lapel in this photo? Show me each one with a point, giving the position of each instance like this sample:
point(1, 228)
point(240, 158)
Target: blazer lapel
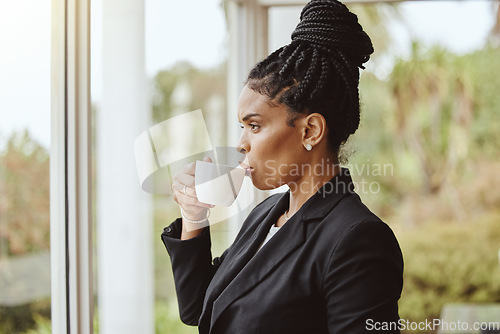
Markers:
point(247, 246)
point(232, 265)
point(289, 238)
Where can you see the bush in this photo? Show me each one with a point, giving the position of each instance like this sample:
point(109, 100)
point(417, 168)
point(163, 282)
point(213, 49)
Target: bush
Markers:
point(18, 319)
point(43, 325)
point(450, 263)
point(168, 321)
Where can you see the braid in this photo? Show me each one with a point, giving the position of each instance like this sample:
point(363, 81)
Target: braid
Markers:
point(322, 82)
point(319, 70)
point(260, 70)
point(290, 61)
point(306, 85)
point(345, 72)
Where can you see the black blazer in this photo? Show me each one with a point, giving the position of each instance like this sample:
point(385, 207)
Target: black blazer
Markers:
point(334, 267)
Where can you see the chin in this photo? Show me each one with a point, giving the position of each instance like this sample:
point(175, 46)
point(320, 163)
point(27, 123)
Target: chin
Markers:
point(265, 184)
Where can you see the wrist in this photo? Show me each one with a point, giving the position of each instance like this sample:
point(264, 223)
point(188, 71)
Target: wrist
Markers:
point(195, 220)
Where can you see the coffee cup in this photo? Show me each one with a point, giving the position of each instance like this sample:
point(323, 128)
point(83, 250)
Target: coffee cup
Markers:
point(217, 184)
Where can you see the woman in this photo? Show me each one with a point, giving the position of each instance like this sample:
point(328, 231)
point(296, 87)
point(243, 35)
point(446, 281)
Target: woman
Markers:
point(313, 259)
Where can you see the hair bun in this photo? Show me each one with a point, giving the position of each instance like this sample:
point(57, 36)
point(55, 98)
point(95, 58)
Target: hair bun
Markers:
point(329, 25)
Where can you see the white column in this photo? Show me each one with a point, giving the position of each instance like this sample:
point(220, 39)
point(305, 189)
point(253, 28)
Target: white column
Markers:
point(124, 217)
point(248, 29)
point(247, 45)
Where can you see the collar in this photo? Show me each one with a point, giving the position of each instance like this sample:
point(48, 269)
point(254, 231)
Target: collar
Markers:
point(323, 200)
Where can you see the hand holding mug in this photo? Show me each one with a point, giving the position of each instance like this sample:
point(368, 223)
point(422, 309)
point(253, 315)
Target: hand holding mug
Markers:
point(184, 193)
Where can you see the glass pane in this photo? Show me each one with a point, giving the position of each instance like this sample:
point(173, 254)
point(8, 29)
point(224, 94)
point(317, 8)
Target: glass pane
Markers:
point(282, 21)
point(182, 72)
point(424, 151)
point(24, 166)
point(435, 215)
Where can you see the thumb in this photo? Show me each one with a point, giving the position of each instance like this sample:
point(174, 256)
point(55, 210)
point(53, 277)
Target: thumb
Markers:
point(207, 159)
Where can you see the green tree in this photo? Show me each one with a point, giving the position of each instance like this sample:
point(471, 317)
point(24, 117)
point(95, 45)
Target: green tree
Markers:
point(24, 201)
point(434, 99)
point(374, 20)
point(484, 68)
point(203, 84)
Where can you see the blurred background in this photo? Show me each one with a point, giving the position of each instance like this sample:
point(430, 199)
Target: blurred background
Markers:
point(427, 149)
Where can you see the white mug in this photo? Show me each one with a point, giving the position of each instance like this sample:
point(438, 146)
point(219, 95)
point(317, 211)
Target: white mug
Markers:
point(217, 184)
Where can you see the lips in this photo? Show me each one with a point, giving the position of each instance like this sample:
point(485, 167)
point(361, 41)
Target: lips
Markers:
point(249, 169)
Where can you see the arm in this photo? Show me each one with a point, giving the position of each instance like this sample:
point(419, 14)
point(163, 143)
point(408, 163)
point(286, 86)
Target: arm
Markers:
point(192, 263)
point(363, 281)
point(192, 267)
point(189, 248)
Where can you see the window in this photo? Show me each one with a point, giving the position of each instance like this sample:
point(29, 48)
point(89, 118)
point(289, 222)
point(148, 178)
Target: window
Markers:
point(25, 278)
point(102, 257)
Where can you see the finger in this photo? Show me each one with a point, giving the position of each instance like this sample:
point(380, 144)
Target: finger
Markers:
point(184, 189)
point(188, 200)
point(189, 168)
point(191, 192)
point(185, 179)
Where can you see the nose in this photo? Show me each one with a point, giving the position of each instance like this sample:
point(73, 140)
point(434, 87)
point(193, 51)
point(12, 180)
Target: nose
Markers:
point(241, 149)
point(242, 146)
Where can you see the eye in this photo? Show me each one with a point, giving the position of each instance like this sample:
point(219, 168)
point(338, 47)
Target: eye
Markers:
point(253, 127)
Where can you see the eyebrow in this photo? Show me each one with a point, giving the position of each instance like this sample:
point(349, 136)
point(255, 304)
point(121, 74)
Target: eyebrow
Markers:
point(247, 116)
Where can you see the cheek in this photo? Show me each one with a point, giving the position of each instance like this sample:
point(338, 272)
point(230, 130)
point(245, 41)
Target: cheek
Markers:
point(281, 142)
point(272, 155)
point(265, 150)
point(276, 149)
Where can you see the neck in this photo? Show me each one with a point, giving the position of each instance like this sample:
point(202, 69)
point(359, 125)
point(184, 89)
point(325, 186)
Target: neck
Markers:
point(308, 184)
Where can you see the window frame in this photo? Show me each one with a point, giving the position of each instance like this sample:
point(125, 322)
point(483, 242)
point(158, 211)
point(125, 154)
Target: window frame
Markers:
point(70, 167)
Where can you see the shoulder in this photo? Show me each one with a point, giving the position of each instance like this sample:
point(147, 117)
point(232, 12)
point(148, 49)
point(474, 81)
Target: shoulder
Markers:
point(362, 242)
point(351, 227)
point(369, 236)
point(350, 213)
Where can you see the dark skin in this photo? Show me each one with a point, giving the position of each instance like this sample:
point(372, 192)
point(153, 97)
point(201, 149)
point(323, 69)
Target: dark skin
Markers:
point(275, 154)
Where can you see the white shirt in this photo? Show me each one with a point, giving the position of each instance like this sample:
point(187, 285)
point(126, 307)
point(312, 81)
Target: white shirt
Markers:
point(270, 234)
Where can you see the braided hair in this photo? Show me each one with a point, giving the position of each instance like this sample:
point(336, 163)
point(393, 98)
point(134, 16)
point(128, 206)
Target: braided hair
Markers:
point(318, 71)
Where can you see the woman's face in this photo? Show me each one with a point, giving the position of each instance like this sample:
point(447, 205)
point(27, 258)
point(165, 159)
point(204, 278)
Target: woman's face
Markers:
point(273, 149)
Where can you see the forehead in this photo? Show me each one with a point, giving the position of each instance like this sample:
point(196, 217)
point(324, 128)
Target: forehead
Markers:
point(252, 103)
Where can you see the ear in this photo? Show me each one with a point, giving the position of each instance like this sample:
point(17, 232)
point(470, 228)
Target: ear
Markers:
point(314, 129)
